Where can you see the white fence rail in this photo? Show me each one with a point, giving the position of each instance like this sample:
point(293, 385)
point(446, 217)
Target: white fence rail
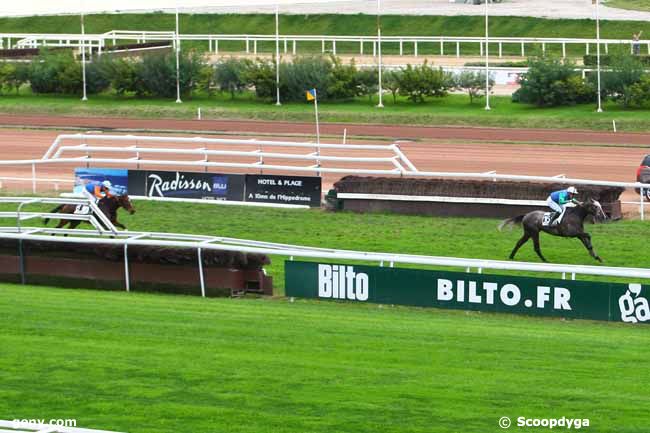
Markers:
point(201, 243)
point(402, 166)
point(289, 43)
point(95, 217)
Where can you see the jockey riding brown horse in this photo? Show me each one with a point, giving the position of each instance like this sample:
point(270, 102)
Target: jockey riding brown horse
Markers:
point(108, 205)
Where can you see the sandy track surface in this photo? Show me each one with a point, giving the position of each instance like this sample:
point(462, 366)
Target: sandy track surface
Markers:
point(391, 132)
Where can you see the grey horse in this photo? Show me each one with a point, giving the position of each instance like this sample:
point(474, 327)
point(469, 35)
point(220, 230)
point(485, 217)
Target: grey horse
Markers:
point(570, 227)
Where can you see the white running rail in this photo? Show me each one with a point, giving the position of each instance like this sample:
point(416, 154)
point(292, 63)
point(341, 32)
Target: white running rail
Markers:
point(201, 243)
point(19, 426)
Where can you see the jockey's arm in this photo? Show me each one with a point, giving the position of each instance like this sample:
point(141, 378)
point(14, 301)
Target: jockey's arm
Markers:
point(97, 192)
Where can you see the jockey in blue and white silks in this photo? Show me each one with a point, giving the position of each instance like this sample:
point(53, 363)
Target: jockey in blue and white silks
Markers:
point(558, 201)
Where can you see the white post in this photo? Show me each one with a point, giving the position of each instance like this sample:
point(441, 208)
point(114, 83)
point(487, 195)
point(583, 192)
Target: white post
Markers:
point(33, 178)
point(379, 91)
point(82, 44)
point(487, 60)
point(317, 125)
point(641, 208)
point(277, 55)
point(178, 62)
point(127, 278)
point(201, 277)
point(600, 107)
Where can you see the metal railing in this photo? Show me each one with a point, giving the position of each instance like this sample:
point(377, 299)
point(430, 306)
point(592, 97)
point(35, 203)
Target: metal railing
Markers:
point(289, 43)
point(94, 216)
point(201, 243)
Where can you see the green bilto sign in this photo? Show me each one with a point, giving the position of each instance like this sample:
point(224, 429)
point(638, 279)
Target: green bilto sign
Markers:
point(479, 292)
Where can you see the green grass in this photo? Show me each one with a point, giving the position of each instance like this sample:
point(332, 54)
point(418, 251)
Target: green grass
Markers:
point(335, 25)
point(154, 363)
point(452, 110)
point(620, 244)
point(637, 5)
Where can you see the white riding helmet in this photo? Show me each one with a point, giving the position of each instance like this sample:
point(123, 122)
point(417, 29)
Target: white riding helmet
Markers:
point(107, 183)
point(572, 190)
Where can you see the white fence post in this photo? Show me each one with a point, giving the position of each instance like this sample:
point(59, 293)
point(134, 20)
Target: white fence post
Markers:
point(200, 257)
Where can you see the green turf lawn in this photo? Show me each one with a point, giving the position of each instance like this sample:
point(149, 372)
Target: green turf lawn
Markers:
point(620, 244)
point(451, 110)
point(155, 363)
point(637, 5)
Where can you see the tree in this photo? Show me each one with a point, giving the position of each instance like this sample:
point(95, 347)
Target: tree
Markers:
point(616, 81)
point(231, 75)
point(343, 80)
point(391, 83)
point(368, 82)
point(474, 83)
point(262, 76)
point(12, 76)
point(550, 82)
point(418, 82)
point(303, 74)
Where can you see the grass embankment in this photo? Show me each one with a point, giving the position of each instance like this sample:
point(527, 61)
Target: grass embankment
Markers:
point(451, 110)
point(636, 5)
point(162, 364)
point(392, 25)
point(620, 244)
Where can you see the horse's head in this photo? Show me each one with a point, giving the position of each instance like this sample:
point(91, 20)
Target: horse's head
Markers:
point(123, 201)
point(593, 207)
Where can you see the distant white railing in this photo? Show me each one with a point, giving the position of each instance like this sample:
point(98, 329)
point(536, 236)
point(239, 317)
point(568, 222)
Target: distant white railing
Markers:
point(289, 43)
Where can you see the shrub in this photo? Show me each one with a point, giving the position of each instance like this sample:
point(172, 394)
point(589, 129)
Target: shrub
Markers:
point(418, 82)
point(156, 75)
point(122, 74)
point(549, 82)
point(303, 74)
point(231, 75)
point(606, 60)
point(639, 93)
point(12, 76)
point(474, 83)
point(369, 81)
point(623, 72)
point(343, 80)
point(391, 80)
point(262, 76)
point(44, 71)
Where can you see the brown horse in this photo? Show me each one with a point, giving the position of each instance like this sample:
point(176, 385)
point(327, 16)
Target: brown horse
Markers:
point(108, 205)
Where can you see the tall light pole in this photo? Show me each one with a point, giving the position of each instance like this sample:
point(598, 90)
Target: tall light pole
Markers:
point(83, 54)
point(487, 60)
point(178, 62)
point(600, 106)
point(380, 90)
point(277, 55)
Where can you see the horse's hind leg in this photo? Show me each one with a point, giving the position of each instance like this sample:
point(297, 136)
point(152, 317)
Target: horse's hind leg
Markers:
point(586, 240)
point(521, 241)
point(538, 250)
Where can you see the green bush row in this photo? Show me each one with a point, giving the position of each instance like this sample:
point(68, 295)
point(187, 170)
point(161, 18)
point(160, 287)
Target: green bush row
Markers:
point(606, 60)
point(551, 82)
point(155, 75)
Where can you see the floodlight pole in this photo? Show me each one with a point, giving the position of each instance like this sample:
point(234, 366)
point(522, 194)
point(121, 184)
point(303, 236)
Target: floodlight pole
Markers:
point(487, 60)
point(380, 90)
point(82, 45)
point(600, 106)
point(178, 62)
point(277, 55)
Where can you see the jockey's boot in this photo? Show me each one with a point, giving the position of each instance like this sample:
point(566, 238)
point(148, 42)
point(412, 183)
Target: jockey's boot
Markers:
point(557, 218)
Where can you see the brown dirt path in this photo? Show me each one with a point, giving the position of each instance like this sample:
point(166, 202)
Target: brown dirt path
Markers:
point(393, 132)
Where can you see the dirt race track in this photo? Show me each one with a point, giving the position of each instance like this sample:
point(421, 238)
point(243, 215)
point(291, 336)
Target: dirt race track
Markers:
point(582, 154)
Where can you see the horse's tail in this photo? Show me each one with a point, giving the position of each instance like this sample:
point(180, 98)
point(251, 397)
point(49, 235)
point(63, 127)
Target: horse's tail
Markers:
point(55, 210)
point(510, 221)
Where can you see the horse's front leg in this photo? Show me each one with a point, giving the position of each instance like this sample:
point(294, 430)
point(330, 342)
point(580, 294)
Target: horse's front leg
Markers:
point(116, 223)
point(586, 241)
